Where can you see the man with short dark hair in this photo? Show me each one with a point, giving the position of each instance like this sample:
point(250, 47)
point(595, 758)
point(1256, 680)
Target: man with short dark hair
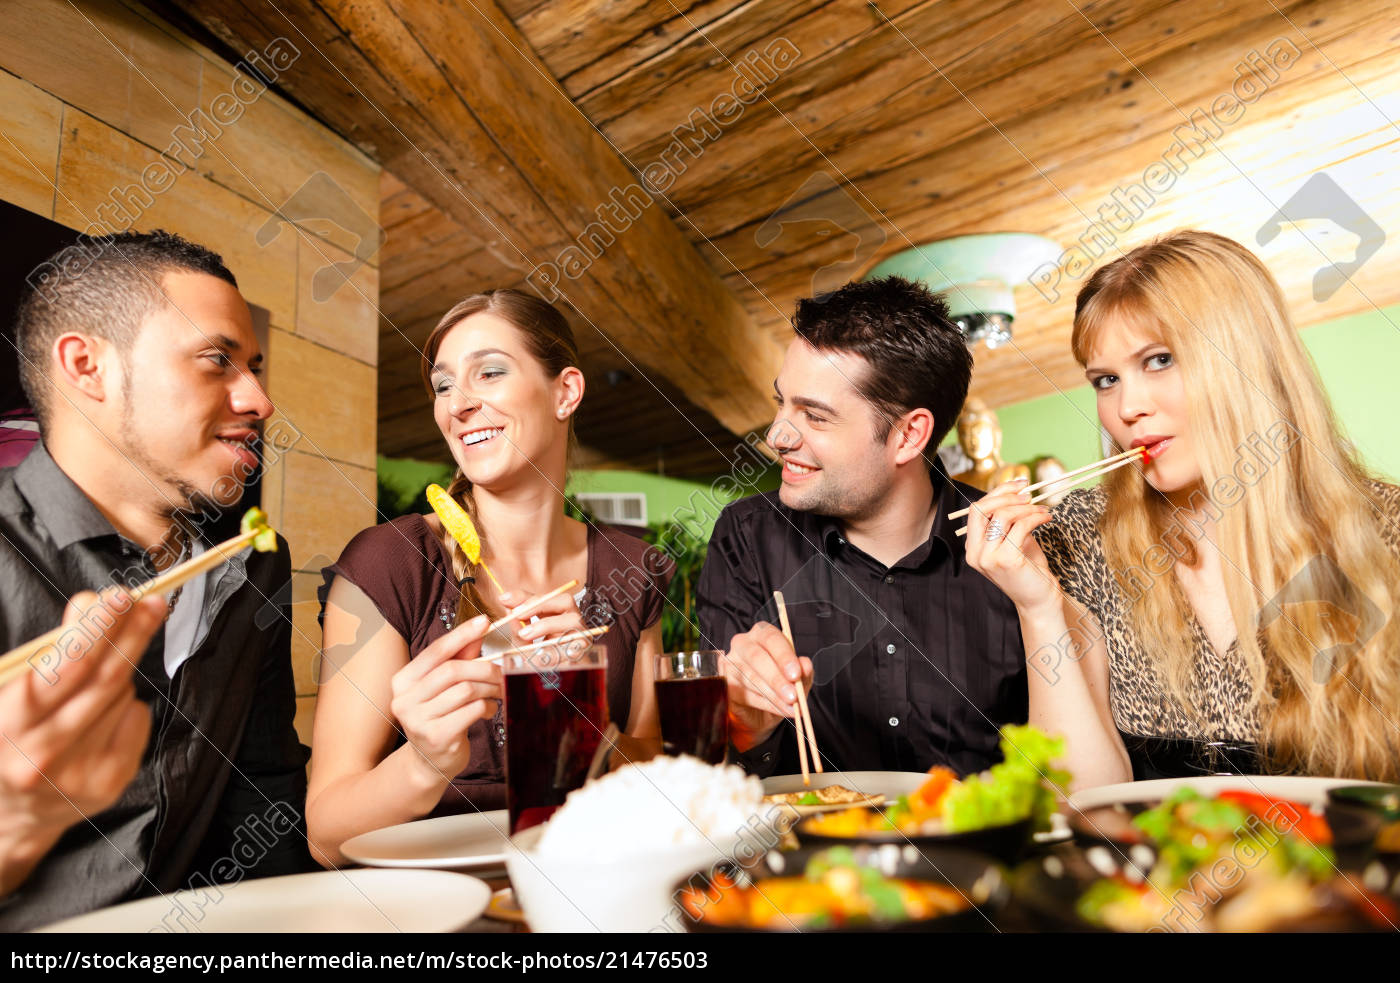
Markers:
point(154, 750)
point(911, 658)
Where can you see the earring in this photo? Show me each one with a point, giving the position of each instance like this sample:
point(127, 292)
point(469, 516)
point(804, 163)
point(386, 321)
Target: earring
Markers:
point(563, 413)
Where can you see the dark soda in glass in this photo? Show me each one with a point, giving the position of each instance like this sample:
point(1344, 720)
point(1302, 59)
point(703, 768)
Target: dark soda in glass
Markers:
point(694, 717)
point(555, 717)
point(693, 700)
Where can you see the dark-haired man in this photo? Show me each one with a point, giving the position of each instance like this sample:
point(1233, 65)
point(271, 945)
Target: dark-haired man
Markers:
point(140, 357)
point(911, 658)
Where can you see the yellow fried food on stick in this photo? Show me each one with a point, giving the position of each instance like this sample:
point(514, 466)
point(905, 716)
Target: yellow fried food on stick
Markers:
point(456, 521)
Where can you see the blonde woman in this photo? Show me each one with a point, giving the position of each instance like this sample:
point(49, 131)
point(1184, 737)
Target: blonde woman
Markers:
point(1227, 605)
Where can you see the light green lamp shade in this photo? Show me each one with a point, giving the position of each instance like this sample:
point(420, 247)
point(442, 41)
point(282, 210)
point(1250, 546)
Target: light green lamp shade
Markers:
point(977, 273)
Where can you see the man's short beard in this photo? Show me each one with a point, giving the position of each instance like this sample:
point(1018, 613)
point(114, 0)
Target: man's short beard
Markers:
point(831, 502)
point(188, 498)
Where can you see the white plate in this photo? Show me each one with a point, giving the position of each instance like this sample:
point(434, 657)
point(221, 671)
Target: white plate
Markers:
point(1310, 791)
point(890, 784)
point(471, 841)
point(328, 901)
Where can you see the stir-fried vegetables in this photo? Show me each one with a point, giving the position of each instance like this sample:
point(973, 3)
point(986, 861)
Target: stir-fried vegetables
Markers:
point(1238, 861)
point(1191, 830)
point(834, 891)
point(1025, 784)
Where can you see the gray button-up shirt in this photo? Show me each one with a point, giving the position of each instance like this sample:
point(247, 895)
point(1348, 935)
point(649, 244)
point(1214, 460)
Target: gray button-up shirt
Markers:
point(222, 786)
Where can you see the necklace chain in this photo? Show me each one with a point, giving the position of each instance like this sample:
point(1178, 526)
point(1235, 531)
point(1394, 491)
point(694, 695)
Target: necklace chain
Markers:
point(186, 547)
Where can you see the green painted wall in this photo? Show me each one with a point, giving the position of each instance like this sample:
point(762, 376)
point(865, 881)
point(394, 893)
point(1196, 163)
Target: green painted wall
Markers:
point(695, 504)
point(402, 480)
point(1359, 360)
point(1357, 357)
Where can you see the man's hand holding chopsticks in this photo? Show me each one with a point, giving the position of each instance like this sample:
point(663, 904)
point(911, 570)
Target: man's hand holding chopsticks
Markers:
point(763, 673)
point(71, 739)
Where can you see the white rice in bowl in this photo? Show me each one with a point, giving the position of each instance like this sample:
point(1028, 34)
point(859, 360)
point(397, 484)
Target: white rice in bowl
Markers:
point(664, 803)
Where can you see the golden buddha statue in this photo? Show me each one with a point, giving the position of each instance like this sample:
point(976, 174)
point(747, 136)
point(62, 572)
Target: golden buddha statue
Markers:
point(1048, 469)
point(979, 435)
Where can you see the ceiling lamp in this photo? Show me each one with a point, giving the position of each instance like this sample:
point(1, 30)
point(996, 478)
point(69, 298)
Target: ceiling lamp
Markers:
point(976, 274)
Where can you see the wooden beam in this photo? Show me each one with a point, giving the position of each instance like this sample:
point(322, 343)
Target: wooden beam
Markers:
point(451, 99)
point(589, 42)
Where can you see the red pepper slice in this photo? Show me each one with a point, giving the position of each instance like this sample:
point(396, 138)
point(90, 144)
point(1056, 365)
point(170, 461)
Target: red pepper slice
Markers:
point(1291, 817)
point(927, 796)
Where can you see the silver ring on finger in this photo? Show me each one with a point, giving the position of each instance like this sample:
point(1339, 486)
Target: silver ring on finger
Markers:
point(995, 531)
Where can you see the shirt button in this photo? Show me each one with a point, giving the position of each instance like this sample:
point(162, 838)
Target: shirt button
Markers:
point(894, 721)
point(889, 649)
point(767, 757)
point(889, 578)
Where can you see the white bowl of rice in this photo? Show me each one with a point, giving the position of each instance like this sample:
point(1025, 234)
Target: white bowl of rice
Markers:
point(610, 858)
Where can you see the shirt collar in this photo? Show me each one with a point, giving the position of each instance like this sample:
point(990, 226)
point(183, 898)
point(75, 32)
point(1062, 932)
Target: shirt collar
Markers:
point(947, 498)
point(61, 508)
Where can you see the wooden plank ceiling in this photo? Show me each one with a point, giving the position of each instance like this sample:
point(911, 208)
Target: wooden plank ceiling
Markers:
point(877, 127)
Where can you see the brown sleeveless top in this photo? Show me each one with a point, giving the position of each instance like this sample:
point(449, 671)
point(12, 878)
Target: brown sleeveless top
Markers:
point(406, 572)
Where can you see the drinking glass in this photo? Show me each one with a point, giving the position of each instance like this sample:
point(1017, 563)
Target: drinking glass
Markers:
point(556, 709)
point(693, 699)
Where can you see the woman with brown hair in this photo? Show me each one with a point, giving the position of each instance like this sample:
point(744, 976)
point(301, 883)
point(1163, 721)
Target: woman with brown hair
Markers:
point(1228, 603)
point(408, 719)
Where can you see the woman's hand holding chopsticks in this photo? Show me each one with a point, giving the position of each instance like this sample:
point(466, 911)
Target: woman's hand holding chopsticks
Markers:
point(1000, 546)
point(1066, 481)
point(442, 692)
point(552, 618)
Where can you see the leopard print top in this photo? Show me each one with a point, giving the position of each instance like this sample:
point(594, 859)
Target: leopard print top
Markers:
point(1220, 688)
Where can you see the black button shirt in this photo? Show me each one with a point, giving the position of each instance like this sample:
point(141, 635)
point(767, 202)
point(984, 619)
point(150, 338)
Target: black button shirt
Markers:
point(222, 784)
point(914, 665)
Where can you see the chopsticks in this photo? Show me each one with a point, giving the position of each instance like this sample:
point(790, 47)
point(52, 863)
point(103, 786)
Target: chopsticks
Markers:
point(1079, 475)
point(14, 662)
point(528, 607)
point(576, 636)
point(804, 713)
point(604, 753)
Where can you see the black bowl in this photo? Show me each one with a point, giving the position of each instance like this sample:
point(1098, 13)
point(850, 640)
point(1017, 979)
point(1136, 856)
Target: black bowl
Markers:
point(1365, 821)
point(1384, 800)
point(1005, 843)
point(981, 880)
point(1047, 891)
point(1108, 825)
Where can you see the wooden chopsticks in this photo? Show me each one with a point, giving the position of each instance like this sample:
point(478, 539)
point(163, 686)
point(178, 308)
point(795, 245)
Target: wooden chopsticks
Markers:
point(528, 607)
point(1076, 477)
point(571, 637)
point(15, 661)
point(804, 713)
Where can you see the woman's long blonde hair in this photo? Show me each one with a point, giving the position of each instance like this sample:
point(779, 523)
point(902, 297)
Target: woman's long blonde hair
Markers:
point(1308, 520)
point(551, 341)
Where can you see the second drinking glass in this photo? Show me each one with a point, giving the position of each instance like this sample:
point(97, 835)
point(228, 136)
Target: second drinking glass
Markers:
point(693, 699)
